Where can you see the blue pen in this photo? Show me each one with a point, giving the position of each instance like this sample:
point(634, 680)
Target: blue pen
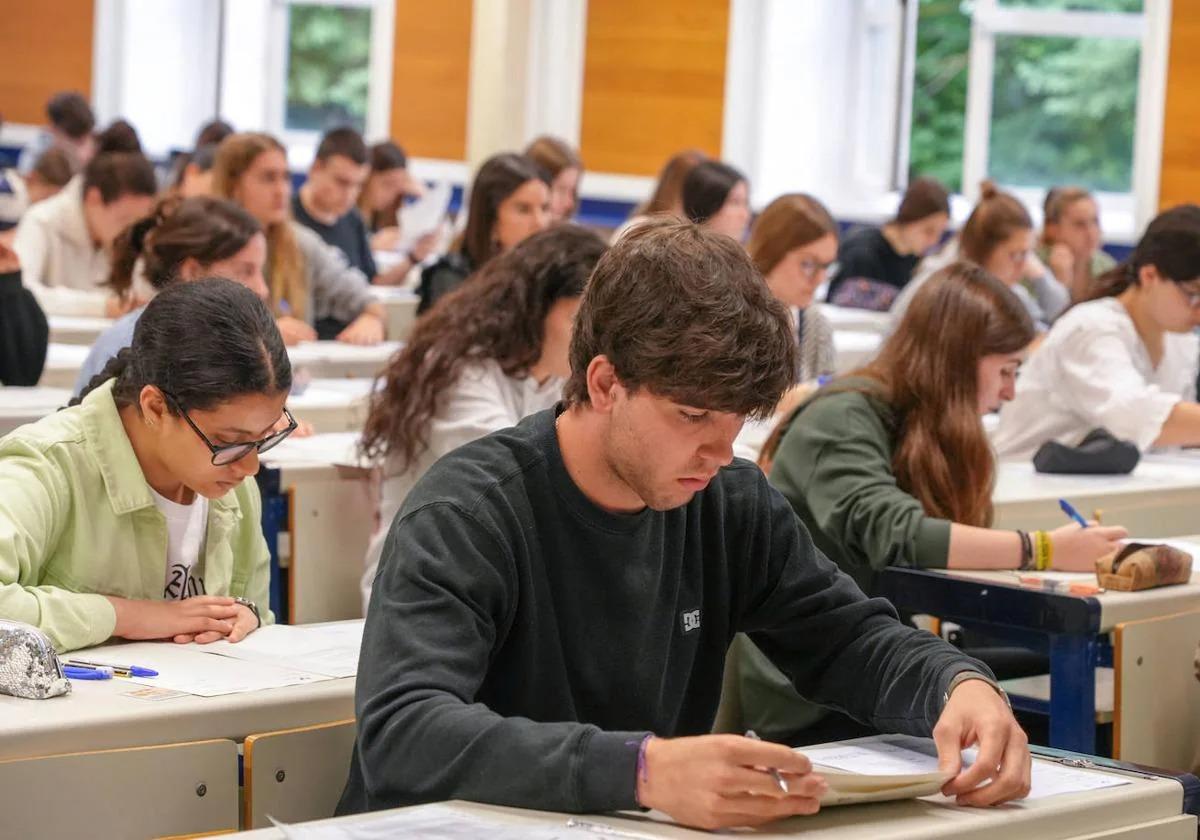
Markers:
point(119, 670)
point(73, 673)
point(1071, 512)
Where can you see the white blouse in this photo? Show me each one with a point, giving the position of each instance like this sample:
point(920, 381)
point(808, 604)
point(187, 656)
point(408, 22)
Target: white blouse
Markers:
point(1094, 371)
point(482, 401)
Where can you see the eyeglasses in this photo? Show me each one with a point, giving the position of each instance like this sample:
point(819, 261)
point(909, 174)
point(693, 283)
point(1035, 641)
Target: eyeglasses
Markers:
point(1192, 293)
point(223, 456)
point(811, 268)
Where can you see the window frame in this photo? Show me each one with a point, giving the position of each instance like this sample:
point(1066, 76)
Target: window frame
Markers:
point(379, 86)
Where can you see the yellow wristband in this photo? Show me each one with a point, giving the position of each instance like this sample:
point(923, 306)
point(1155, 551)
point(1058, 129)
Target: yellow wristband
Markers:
point(1043, 551)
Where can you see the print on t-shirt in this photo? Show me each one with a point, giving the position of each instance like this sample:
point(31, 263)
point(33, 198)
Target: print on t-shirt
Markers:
point(182, 583)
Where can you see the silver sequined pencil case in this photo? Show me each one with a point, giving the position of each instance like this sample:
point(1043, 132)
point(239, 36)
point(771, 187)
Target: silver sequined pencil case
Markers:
point(29, 667)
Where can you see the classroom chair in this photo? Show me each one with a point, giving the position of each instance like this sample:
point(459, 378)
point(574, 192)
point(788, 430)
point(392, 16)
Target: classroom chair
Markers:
point(138, 792)
point(295, 775)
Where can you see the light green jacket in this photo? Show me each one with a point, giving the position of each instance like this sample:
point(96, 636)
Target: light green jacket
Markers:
point(78, 522)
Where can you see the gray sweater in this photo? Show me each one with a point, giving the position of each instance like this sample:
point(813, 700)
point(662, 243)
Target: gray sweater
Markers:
point(335, 288)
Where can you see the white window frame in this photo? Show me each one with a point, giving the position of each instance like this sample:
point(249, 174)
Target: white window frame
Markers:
point(302, 144)
point(1123, 214)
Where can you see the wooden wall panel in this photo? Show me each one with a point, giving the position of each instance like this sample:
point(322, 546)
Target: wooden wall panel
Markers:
point(45, 47)
point(1180, 180)
point(430, 70)
point(654, 82)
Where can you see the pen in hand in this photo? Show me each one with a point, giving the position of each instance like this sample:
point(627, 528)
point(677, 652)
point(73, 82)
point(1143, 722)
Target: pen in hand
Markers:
point(1071, 512)
point(779, 780)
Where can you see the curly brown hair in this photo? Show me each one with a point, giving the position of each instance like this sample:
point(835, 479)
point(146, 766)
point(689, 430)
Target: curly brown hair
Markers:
point(497, 314)
point(682, 311)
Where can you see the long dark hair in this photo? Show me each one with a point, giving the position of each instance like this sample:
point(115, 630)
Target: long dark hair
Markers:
point(499, 177)
point(203, 343)
point(498, 314)
point(706, 188)
point(1171, 244)
point(205, 229)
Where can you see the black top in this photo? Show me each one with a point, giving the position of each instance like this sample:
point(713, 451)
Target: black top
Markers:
point(865, 254)
point(521, 641)
point(349, 234)
point(24, 333)
point(441, 278)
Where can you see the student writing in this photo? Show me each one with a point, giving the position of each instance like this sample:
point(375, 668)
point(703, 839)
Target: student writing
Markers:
point(554, 601)
point(181, 240)
point(128, 514)
point(495, 355)
point(1125, 361)
point(315, 293)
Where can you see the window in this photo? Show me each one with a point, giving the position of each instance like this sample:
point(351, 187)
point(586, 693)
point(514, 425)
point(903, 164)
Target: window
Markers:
point(328, 66)
point(1032, 93)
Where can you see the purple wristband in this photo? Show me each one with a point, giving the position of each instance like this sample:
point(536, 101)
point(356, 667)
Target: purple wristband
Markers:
point(641, 765)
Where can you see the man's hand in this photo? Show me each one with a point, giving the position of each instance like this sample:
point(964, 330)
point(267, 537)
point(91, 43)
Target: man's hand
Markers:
point(721, 781)
point(978, 716)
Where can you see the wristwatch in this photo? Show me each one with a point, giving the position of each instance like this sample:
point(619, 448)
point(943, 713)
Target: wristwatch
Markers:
point(962, 676)
point(253, 607)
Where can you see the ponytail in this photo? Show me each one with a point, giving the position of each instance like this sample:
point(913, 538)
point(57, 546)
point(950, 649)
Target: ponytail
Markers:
point(1171, 244)
point(1112, 282)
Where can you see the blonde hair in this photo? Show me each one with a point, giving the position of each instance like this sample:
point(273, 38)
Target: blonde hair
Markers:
point(285, 262)
point(787, 223)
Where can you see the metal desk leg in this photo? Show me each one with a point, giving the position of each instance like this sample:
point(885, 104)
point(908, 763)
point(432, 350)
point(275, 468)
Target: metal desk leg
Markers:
point(1073, 693)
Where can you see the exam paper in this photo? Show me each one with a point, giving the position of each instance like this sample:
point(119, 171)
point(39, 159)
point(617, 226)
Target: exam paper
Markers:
point(423, 216)
point(311, 352)
point(430, 822)
point(330, 650)
point(189, 669)
point(898, 755)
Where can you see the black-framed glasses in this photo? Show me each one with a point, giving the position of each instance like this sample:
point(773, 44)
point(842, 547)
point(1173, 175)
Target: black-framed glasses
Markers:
point(226, 454)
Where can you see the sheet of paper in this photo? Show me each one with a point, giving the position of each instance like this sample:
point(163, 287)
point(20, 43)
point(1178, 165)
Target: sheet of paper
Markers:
point(422, 216)
point(310, 352)
point(189, 669)
point(899, 755)
point(327, 649)
point(434, 822)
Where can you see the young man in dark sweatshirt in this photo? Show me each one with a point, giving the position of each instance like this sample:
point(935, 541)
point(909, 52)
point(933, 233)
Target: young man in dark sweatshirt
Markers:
point(551, 614)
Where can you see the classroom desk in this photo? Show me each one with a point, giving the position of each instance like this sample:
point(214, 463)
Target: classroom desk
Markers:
point(400, 306)
point(853, 349)
point(335, 360)
point(332, 405)
point(1073, 630)
point(319, 510)
point(1148, 808)
point(19, 406)
point(71, 329)
point(856, 320)
point(1161, 496)
point(63, 363)
point(98, 716)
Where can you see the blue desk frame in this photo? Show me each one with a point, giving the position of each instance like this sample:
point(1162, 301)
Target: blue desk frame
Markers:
point(274, 520)
point(1065, 627)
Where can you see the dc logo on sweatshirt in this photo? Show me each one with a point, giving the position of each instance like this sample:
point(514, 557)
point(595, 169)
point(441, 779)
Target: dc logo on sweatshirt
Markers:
point(691, 620)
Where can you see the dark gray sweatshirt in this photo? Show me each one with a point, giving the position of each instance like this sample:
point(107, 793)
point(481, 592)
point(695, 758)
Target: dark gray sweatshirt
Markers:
point(521, 641)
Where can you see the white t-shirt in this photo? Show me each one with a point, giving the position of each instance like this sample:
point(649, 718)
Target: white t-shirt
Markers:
point(1094, 371)
point(186, 528)
point(482, 401)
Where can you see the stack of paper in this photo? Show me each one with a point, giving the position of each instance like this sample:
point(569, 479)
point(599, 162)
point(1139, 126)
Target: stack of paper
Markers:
point(329, 650)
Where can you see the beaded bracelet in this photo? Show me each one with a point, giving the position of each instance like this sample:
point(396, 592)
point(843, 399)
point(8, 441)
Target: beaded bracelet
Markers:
point(1027, 558)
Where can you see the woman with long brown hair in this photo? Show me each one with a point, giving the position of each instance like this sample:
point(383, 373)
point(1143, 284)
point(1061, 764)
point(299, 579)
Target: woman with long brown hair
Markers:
point(313, 291)
point(565, 169)
point(891, 466)
point(489, 354)
point(667, 197)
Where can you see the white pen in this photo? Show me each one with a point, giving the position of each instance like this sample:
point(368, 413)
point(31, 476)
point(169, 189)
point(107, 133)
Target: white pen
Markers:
point(779, 780)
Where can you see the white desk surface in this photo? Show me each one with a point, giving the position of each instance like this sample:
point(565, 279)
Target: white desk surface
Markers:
point(852, 349)
point(1161, 496)
point(63, 362)
point(858, 320)
point(333, 405)
point(97, 715)
point(72, 329)
point(1116, 607)
point(1148, 808)
point(316, 452)
point(335, 359)
point(19, 406)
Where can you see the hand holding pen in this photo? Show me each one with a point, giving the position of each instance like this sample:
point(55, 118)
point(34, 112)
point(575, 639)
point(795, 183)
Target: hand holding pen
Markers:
point(1077, 547)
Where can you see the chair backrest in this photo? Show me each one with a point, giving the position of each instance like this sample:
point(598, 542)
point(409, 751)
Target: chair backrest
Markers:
point(296, 775)
point(1156, 717)
point(172, 789)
